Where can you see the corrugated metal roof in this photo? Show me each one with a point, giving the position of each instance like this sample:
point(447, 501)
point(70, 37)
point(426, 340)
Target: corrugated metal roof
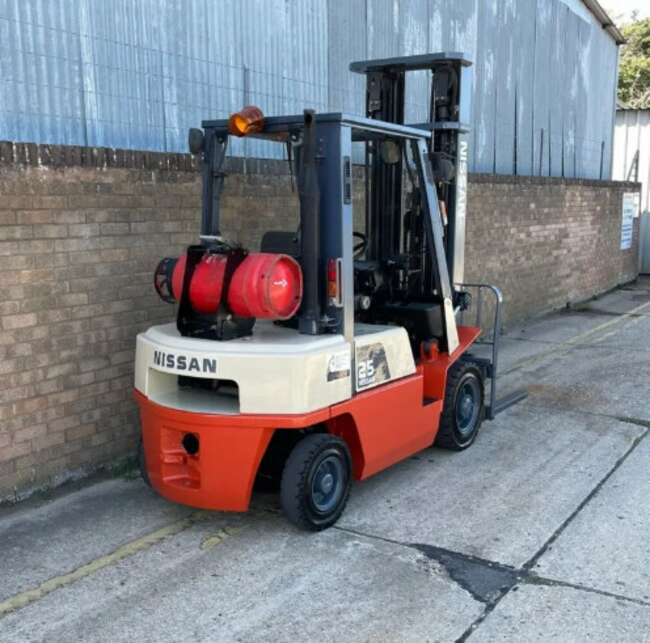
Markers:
point(608, 24)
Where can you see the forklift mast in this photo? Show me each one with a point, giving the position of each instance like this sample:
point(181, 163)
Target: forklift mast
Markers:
point(408, 269)
point(391, 231)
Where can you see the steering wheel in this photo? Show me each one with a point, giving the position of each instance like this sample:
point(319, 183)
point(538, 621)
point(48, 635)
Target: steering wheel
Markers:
point(360, 247)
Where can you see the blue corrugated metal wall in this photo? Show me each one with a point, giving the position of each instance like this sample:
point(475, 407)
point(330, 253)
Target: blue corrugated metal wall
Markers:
point(139, 73)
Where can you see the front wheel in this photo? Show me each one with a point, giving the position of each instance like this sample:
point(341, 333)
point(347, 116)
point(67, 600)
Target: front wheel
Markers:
point(316, 482)
point(464, 407)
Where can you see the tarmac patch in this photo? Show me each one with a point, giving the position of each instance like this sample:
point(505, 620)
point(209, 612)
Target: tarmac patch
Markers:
point(484, 580)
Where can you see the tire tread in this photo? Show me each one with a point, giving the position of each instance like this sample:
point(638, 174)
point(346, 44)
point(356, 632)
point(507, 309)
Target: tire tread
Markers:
point(294, 479)
point(445, 437)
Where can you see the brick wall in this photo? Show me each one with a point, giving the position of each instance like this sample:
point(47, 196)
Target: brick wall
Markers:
point(81, 231)
point(547, 243)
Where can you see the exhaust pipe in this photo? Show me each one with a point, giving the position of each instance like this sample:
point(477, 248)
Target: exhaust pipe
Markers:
point(309, 195)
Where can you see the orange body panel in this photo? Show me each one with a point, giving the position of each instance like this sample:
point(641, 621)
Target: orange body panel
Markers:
point(221, 475)
point(434, 367)
point(381, 426)
point(391, 422)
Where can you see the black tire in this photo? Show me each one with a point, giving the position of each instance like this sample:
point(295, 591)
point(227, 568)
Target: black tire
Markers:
point(464, 407)
point(142, 464)
point(269, 473)
point(316, 482)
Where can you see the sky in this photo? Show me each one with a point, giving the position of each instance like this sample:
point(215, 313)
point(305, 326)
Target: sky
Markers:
point(615, 8)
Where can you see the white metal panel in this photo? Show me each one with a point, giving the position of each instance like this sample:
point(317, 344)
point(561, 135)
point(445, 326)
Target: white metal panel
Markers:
point(557, 87)
point(347, 38)
point(644, 247)
point(632, 162)
point(583, 163)
point(524, 73)
point(276, 369)
point(644, 159)
point(595, 137)
point(414, 39)
point(487, 79)
point(606, 110)
point(571, 80)
point(578, 7)
point(632, 139)
point(139, 74)
point(383, 28)
point(507, 61)
point(224, 52)
point(542, 88)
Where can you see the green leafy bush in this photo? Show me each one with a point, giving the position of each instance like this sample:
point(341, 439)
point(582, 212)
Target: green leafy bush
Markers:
point(634, 70)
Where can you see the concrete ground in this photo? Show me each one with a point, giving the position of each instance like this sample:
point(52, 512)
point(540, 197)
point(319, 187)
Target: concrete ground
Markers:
point(539, 532)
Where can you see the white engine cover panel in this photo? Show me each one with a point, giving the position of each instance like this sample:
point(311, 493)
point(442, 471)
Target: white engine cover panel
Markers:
point(382, 354)
point(277, 370)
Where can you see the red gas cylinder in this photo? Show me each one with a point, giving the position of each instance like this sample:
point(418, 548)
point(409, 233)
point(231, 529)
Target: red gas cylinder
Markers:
point(177, 277)
point(266, 286)
point(206, 284)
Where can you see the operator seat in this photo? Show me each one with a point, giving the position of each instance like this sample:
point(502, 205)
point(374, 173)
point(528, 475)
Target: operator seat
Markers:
point(421, 319)
point(281, 242)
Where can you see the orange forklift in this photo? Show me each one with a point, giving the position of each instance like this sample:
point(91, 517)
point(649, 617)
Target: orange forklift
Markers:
point(332, 352)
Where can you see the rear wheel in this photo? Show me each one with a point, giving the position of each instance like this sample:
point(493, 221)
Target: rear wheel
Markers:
point(464, 407)
point(316, 482)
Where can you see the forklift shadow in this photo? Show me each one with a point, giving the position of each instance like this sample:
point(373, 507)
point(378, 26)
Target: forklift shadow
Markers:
point(417, 477)
point(266, 501)
point(433, 467)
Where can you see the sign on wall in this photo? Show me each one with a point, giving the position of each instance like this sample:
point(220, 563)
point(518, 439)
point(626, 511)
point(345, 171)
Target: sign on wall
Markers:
point(631, 203)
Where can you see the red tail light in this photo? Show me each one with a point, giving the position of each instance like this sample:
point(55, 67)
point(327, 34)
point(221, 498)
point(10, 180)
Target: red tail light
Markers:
point(334, 294)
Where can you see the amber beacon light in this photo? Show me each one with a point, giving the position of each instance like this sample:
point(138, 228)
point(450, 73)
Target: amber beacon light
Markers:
point(248, 120)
